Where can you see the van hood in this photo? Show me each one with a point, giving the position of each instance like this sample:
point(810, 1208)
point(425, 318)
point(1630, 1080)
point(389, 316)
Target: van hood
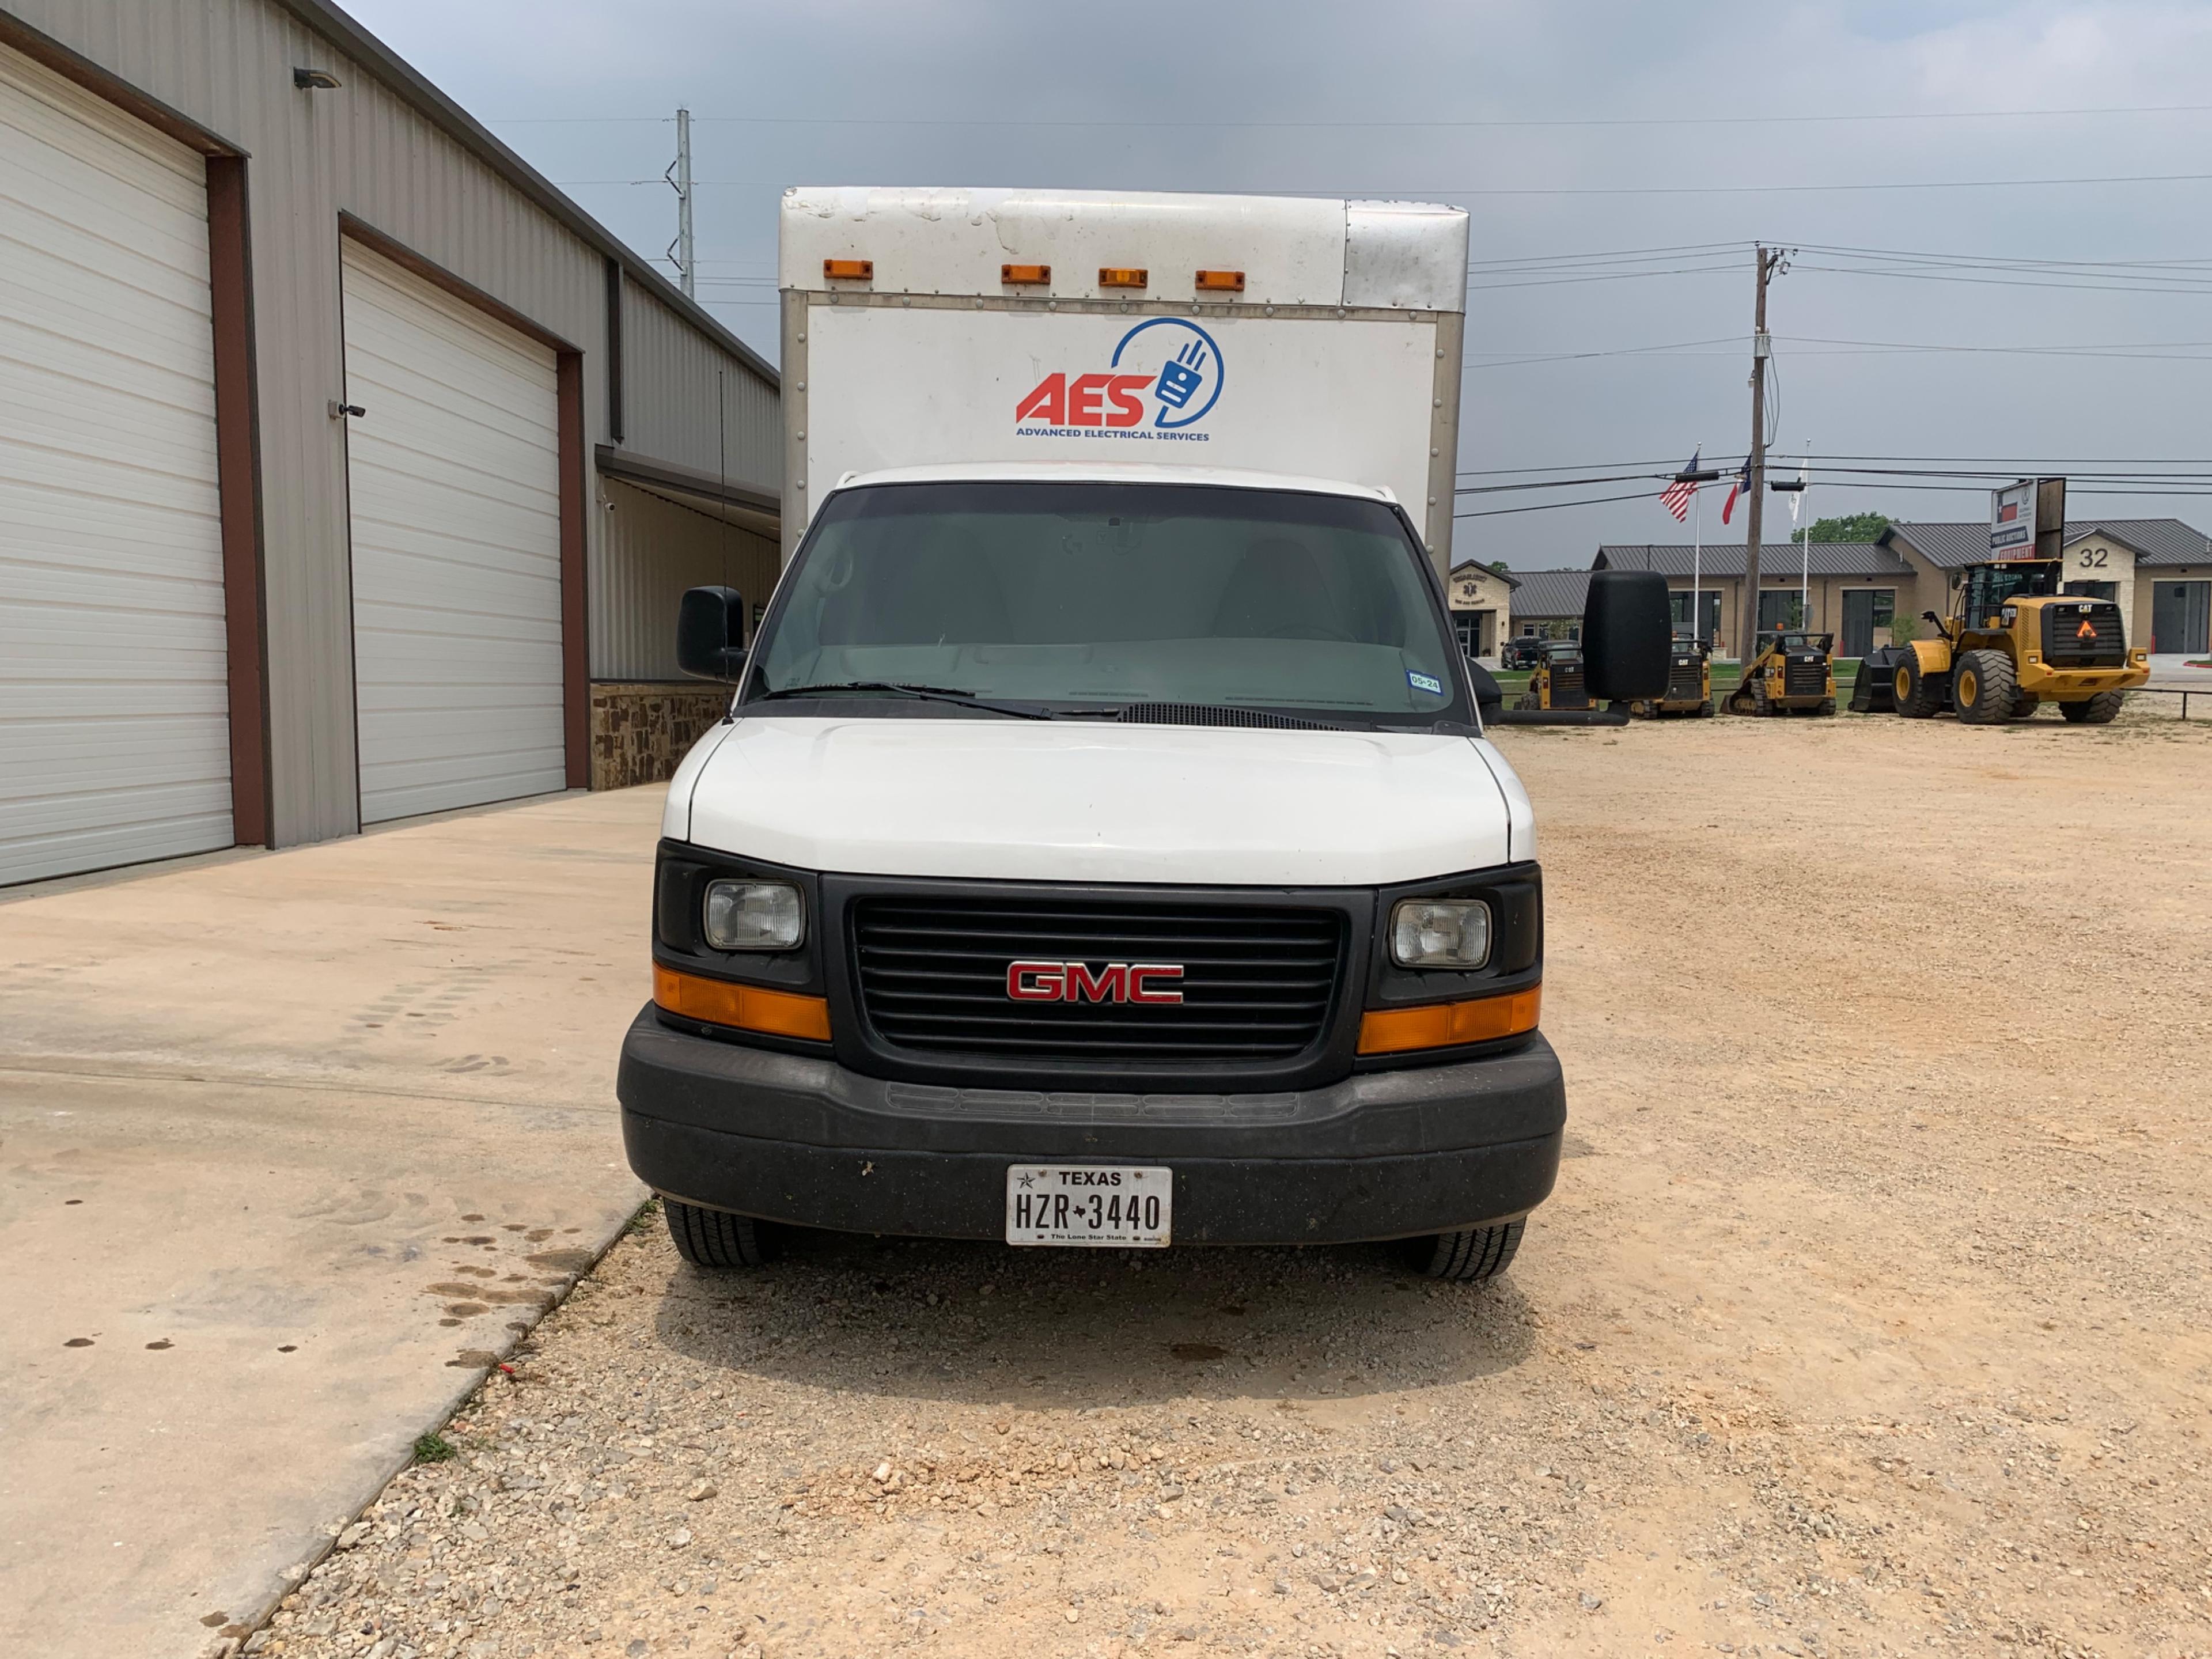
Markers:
point(1018, 800)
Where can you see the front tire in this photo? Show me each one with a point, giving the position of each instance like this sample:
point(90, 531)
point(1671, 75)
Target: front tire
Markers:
point(2093, 711)
point(1916, 699)
point(1468, 1256)
point(1985, 687)
point(717, 1239)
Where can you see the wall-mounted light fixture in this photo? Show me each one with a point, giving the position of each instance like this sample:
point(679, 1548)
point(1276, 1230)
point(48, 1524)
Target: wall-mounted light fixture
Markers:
point(315, 80)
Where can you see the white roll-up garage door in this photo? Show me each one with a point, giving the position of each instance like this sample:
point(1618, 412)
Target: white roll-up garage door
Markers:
point(454, 476)
point(114, 729)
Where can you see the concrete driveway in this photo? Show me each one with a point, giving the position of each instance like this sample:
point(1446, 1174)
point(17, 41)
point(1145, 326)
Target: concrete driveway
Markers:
point(293, 1145)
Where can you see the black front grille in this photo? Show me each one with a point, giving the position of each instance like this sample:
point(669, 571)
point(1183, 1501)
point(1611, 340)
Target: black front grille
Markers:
point(1685, 682)
point(1803, 677)
point(2066, 646)
point(1257, 983)
point(1567, 688)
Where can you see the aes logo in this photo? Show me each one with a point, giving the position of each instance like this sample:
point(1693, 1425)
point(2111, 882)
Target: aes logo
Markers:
point(1165, 375)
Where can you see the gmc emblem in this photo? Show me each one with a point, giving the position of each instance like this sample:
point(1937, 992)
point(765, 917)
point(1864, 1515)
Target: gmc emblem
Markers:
point(1073, 982)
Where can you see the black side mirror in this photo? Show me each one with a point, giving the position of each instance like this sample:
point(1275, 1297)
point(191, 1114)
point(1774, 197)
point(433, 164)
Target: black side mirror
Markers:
point(1628, 635)
point(1488, 699)
point(1929, 615)
point(710, 634)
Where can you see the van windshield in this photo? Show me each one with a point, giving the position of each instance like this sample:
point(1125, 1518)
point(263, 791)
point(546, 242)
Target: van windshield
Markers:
point(1083, 597)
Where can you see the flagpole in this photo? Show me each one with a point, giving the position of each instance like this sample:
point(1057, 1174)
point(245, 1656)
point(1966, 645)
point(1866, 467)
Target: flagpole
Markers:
point(1697, 562)
point(1805, 539)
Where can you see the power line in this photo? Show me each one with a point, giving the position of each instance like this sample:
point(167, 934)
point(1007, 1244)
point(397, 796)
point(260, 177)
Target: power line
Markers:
point(1469, 123)
point(1488, 191)
point(2180, 351)
point(1548, 506)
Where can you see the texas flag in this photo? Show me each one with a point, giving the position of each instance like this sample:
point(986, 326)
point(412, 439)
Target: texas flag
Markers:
point(1736, 487)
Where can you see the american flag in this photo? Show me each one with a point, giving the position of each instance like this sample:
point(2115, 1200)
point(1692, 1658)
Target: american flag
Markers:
point(1676, 500)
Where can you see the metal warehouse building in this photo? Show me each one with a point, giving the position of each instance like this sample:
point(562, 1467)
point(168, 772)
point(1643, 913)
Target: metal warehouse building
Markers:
point(347, 470)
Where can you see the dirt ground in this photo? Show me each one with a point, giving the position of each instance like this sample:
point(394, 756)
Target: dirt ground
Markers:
point(1872, 1314)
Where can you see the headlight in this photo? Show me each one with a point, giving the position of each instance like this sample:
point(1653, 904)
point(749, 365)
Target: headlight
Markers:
point(1440, 933)
point(754, 915)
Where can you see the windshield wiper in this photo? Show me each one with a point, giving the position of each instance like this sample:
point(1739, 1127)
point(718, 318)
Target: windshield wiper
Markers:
point(952, 694)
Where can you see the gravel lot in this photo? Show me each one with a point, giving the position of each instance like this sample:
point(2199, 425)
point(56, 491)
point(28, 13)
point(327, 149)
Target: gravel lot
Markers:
point(1871, 1315)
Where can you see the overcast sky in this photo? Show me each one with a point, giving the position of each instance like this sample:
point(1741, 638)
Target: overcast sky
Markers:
point(1555, 105)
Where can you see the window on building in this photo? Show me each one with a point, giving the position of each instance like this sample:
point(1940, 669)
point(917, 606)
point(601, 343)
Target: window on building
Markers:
point(1679, 605)
point(1869, 620)
point(1780, 609)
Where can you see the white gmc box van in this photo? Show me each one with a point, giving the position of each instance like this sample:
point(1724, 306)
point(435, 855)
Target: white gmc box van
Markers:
point(1102, 847)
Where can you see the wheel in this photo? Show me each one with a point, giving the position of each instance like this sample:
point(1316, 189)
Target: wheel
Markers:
point(1525, 700)
point(1916, 699)
point(1984, 688)
point(1704, 710)
point(1760, 703)
point(1825, 706)
point(2025, 705)
point(1468, 1256)
point(2093, 711)
point(715, 1238)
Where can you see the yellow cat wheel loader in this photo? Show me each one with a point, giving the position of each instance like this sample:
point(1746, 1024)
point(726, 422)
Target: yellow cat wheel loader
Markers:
point(1689, 684)
point(1793, 673)
point(2012, 643)
point(1556, 681)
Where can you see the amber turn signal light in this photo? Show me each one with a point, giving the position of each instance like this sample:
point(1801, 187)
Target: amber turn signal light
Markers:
point(744, 1008)
point(1232, 282)
point(1029, 275)
point(1447, 1024)
point(849, 270)
point(1123, 277)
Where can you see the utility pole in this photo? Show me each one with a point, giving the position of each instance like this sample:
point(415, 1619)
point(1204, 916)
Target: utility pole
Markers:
point(682, 247)
point(1769, 261)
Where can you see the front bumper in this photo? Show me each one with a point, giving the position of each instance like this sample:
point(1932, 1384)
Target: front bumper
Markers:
point(1380, 1155)
point(2061, 684)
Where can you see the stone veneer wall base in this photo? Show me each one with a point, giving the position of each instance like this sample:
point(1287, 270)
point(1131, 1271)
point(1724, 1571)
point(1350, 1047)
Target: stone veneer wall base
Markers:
point(642, 729)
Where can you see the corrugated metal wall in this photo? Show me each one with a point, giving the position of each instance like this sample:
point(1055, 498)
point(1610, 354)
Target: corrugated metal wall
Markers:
point(667, 380)
point(655, 550)
point(364, 149)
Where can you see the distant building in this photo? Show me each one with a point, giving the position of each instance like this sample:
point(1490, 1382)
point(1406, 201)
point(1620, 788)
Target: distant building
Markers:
point(2158, 571)
point(1548, 603)
point(1481, 606)
point(1850, 589)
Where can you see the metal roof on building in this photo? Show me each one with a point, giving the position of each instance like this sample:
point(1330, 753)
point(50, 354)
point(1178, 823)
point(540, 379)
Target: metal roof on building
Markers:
point(2156, 541)
point(1547, 595)
point(1777, 559)
point(1479, 567)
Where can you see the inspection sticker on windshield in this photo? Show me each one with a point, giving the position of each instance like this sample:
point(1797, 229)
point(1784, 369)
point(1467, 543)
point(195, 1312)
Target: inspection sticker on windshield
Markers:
point(1424, 683)
point(1103, 1206)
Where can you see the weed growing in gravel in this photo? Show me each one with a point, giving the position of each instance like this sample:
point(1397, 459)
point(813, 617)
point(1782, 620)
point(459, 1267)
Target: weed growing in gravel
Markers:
point(435, 1448)
point(643, 1220)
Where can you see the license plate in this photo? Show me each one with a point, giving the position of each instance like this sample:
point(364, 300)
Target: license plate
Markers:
point(1100, 1205)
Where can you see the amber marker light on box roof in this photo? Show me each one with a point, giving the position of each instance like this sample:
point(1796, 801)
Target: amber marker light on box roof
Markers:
point(849, 270)
point(1448, 1024)
point(1025, 275)
point(1230, 281)
point(742, 1007)
point(1123, 277)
